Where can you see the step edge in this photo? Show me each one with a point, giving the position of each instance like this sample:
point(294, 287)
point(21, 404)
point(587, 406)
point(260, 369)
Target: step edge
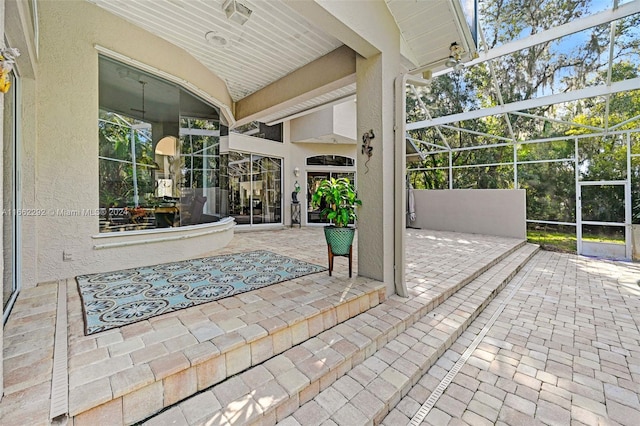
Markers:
point(399, 322)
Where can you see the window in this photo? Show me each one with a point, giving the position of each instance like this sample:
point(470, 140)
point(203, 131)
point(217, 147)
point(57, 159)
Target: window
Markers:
point(330, 160)
point(198, 177)
point(159, 153)
point(261, 130)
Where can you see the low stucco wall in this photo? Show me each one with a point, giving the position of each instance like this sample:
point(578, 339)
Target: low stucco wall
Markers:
point(500, 212)
point(133, 249)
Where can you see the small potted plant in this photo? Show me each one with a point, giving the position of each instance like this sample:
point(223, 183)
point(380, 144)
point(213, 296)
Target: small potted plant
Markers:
point(338, 200)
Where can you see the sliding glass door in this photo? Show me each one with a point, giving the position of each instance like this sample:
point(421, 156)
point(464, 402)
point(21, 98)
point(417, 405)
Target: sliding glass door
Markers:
point(255, 188)
point(10, 195)
point(313, 181)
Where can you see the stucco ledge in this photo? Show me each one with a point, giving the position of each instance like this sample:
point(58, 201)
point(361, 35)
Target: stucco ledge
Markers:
point(151, 236)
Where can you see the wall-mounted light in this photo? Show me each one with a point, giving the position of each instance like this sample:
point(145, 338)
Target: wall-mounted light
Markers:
point(296, 172)
point(455, 56)
point(236, 12)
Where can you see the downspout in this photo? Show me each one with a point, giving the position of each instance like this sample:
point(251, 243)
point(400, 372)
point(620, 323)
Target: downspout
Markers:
point(400, 222)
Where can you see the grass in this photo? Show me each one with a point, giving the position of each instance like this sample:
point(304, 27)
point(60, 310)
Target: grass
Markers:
point(553, 241)
point(564, 241)
point(603, 239)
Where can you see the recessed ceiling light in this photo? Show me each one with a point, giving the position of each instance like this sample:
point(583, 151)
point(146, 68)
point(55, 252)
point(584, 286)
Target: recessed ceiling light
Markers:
point(216, 39)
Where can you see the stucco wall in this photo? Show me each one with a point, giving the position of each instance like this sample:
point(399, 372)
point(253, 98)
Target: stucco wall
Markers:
point(162, 245)
point(336, 122)
point(500, 212)
point(313, 125)
point(66, 166)
point(344, 119)
point(635, 238)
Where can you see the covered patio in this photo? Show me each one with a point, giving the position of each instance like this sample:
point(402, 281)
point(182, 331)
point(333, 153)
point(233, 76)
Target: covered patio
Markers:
point(383, 347)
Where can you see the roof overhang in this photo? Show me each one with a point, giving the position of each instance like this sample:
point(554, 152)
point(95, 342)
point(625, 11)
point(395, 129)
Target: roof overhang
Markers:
point(292, 55)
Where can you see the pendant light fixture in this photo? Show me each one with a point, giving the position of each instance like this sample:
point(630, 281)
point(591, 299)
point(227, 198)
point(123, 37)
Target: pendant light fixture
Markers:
point(455, 57)
point(142, 111)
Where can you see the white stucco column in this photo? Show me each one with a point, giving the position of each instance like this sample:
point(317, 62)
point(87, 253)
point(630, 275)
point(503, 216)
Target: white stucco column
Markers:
point(369, 29)
point(375, 94)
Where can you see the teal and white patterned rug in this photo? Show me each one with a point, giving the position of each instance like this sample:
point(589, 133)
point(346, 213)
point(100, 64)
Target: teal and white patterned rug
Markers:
point(115, 299)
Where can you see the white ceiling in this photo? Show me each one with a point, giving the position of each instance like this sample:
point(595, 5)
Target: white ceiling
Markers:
point(428, 27)
point(276, 41)
point(272, 43)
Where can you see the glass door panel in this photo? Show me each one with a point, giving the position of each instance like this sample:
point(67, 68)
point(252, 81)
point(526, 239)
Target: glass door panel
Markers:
point(11, 221)
point(240, 187)
point(267, 192)
point(255, 183)
point(313, 181)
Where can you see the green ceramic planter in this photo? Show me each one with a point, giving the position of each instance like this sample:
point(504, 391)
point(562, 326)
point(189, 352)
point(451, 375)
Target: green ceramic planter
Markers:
point(339, 239)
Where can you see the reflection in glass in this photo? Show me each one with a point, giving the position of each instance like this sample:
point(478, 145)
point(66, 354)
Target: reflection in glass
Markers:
point(266, 189)
point(240, 187)
point(255, 195)
point(159, 153)
point(330, 160)
point(10, 221)
point(124, 141)
point(314, 215)
point(200, 191)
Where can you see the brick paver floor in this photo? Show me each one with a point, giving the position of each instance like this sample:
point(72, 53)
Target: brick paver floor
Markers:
point(565, 351)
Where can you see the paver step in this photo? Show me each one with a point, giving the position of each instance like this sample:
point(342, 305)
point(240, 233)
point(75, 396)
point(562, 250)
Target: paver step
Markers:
point(199, 359)
point(371, 389)
point(273, 390)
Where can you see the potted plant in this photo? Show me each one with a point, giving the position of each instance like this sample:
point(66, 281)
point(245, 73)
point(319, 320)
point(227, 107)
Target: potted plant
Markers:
point(338, 200)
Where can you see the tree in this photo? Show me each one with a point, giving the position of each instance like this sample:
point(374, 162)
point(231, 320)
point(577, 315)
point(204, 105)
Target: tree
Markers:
point(605, 158)
point(115, 175)
point(569, 63)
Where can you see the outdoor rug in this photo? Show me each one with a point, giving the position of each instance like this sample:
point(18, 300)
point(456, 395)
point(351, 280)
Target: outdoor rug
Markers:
point(115, 299)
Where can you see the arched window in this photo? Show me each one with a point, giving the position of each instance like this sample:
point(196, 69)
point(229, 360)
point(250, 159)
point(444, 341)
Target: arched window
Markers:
point(159, 153)
point(331, 160)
